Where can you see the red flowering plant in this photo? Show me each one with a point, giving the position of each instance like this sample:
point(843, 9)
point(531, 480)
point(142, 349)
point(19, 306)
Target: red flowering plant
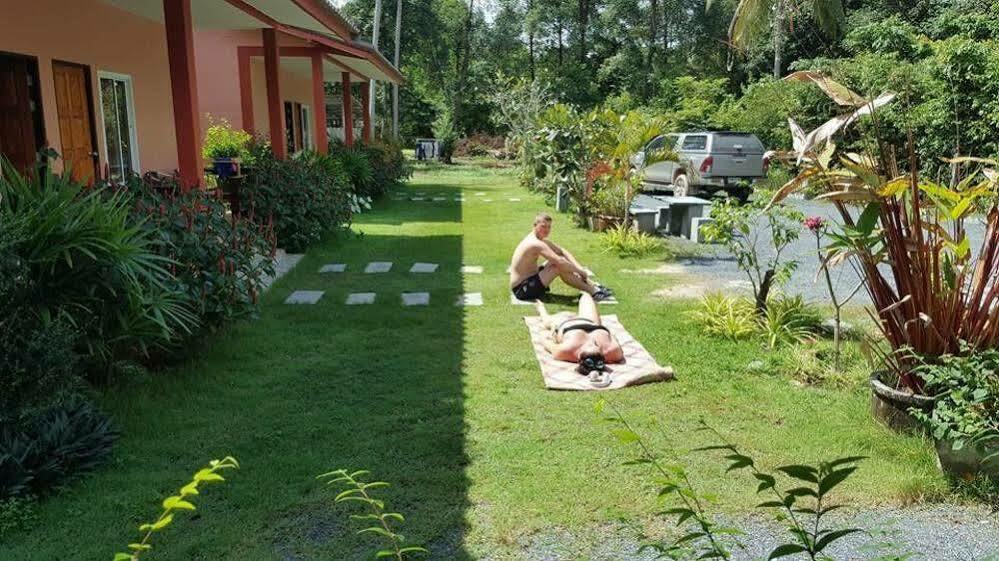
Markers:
point(219, 262)
point(932, 295)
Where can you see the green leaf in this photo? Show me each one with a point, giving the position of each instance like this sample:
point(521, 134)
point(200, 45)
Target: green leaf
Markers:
point(785, 550)
point(122, 557)
point(625, 436)
point(869, 218)
point(801, 472)
point(833, 536)
point(835, 478)
point(140, 546)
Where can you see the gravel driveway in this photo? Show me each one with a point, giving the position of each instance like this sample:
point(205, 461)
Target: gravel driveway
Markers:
point(718, 269)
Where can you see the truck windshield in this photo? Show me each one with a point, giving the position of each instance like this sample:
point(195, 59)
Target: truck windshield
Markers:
point(736, 143)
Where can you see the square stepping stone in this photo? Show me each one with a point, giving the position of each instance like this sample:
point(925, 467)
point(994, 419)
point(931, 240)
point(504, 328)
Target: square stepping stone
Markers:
point(378, 267)
point(487, 200)
point(333, 268)
point(469, 299)
point(421, 194)
point(514, 200)
point(611, 300)
point(304, 297)
point(440, 199)
point(416, 198)
point(459, 199)
point(423, 268)
point(471, 270)
point(480, 194)
point(415, 298)
point(518, 302)
point(357, 298)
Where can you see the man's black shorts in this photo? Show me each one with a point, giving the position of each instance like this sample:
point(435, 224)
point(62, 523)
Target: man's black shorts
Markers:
point(530, 288)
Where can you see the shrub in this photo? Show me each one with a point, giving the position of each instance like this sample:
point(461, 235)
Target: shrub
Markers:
point(302, 198)
point(788, 320)
point(627, 242)
point(89, 266)
point(966, 388)
point(218, 263)
point(223, 141)
point(61, 443)
point(726, 316)
point(388, 167)
point(353, 166)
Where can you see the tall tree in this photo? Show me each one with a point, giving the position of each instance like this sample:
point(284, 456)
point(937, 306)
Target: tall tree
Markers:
point(464, 55)
point(395, 86)
point(753, 17)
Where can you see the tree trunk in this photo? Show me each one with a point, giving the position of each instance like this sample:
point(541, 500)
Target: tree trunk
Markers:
point(463, 56)
point(583, 21)
point(778, 38)
point(372, 88)
point(530, 34)
point(559, 27)
point(763, 295)
point(395, 87)
point(653, 30)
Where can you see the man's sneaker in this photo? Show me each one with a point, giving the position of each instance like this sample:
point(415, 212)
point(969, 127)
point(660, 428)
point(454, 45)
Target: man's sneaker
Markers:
point(606, 289)
point(601, 295)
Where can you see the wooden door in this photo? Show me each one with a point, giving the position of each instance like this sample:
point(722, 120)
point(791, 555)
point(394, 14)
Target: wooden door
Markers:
point(18, 142)
point(73, 103)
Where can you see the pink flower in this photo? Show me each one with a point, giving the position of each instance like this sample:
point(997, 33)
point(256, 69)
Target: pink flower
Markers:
point(814, 223)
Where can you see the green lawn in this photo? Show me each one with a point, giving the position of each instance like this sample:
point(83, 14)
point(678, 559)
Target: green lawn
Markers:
point(446, 403)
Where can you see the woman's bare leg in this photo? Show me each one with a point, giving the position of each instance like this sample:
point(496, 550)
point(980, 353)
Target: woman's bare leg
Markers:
point(588, 308)
point(546, 319)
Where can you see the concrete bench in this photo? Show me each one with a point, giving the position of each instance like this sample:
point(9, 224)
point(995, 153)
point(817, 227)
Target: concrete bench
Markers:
point(674, 216)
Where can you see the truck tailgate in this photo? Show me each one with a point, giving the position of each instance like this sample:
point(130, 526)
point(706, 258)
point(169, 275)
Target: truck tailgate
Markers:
point(736, 165)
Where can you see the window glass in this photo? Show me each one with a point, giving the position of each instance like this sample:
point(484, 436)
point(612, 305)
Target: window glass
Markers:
point(656, 144)
point(734, 143)
point(695, 142)
point(118, 127)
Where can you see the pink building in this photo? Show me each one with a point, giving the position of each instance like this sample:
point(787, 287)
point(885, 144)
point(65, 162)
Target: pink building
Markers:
point(128, 85)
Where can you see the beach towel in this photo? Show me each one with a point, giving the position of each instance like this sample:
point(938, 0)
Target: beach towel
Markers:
point(638, 367)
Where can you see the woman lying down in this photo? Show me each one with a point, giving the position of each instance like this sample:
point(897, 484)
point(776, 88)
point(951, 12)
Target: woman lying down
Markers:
point(583, 339)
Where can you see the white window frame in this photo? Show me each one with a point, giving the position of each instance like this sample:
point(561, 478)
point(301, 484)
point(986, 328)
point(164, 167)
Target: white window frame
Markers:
point(308, 140)
point(129, 109)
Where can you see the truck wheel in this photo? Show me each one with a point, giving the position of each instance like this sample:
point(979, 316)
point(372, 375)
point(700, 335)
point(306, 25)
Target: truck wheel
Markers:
point(681, 186)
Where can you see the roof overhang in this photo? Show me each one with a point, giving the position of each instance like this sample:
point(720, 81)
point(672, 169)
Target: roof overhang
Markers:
point(316, 21)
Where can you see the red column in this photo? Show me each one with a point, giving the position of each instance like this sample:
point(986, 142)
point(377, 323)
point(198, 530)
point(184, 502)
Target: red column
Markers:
point(184, 88)
point(246, 91)
point(319, 102)
point(348, 110)
point(365, 102)
point(275, 108)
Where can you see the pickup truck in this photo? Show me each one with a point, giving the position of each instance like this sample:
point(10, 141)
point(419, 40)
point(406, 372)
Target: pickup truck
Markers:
point(708, 162)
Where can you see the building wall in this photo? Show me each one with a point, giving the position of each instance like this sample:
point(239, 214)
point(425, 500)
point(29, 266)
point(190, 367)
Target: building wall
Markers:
point(105, 38)
point(218, 78)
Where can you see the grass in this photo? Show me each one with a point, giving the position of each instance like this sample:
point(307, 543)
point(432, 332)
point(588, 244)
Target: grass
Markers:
point(445, 403)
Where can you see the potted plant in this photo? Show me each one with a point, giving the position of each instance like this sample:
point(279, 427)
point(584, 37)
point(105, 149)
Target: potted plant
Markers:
point(964, 421)
point(607, 205)
point(226, 148)
point(931, 296)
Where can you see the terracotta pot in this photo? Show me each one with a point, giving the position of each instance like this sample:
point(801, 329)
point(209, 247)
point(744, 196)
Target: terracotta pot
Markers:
point(891, 406)
point(966, 463)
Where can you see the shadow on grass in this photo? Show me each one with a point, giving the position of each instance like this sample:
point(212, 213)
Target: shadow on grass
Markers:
point(302, 391)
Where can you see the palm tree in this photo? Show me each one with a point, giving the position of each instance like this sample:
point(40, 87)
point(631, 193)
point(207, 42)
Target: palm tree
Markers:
point(752, 17)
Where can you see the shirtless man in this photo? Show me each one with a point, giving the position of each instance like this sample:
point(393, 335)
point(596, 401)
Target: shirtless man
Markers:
point(529, 282)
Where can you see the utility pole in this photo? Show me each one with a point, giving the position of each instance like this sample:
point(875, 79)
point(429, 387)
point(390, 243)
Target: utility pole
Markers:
point(372, 90)
point(395, 86)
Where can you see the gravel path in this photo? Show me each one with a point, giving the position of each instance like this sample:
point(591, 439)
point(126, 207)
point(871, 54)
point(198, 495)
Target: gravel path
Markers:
point(718, 270)
point(932, 533)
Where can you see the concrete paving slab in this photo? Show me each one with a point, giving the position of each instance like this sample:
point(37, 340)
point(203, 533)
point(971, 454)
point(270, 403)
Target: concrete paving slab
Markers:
point(304, 297)
point(333, 268)
point(469, 299)
point(424, 268)
point(378, 267)
point(415, 298)
point(357, 298)
point(471, 269)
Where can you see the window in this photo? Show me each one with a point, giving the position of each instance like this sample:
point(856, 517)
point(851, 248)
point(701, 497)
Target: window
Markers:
point(118, 116)
point(298, 126)
point(736, 143)
point(695, 142)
